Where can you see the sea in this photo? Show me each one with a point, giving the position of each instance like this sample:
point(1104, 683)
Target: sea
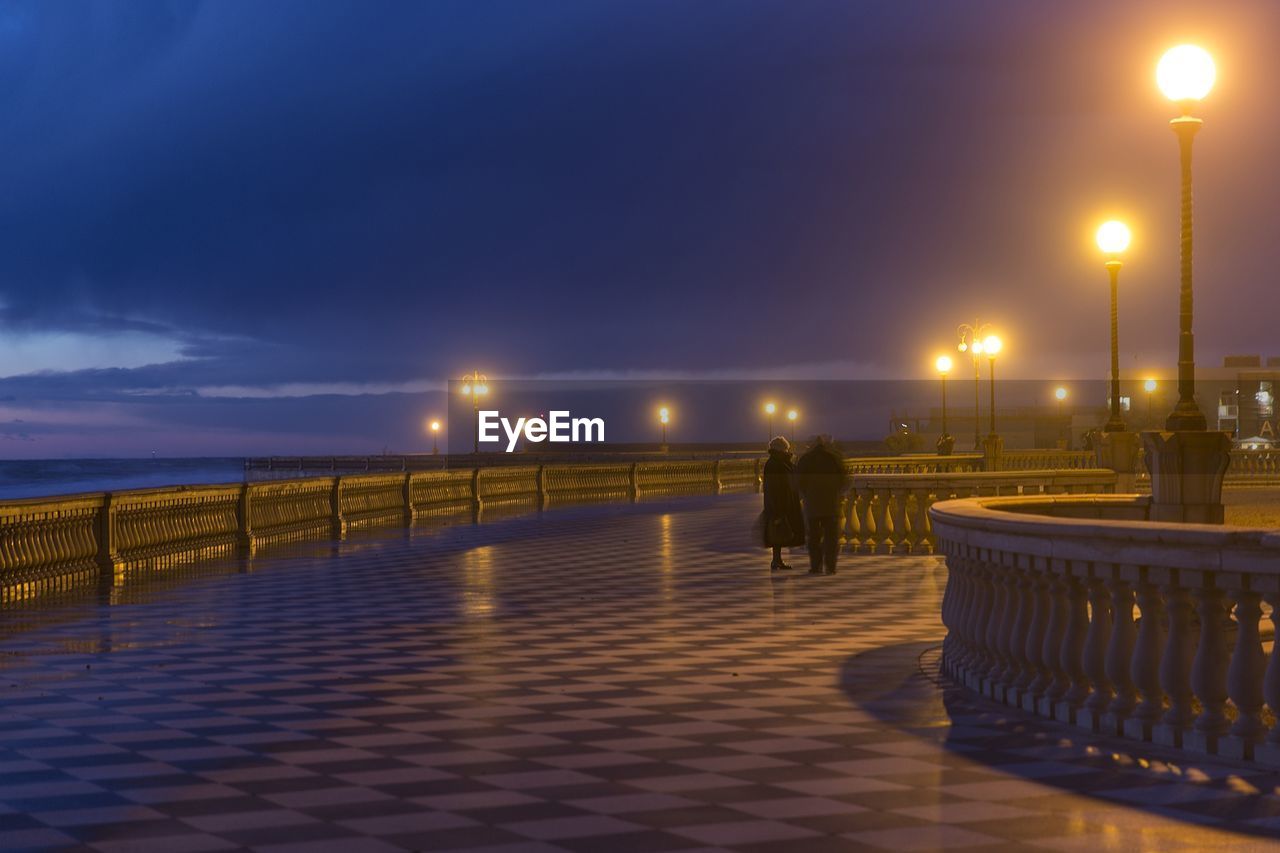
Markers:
point(30, 478)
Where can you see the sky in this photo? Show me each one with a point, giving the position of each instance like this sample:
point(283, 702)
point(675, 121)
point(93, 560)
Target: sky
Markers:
point(238, 227)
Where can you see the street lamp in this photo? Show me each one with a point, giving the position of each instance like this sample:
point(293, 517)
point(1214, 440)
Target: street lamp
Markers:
point(1113, 238)
point(769, 409)
point(1150, 387)
point(434, 426)
point(971, 342)
point(1185, 75)
point(945, 441)
point(475, 386)
point(792, 415)
point(991, 346)
point(664, 418)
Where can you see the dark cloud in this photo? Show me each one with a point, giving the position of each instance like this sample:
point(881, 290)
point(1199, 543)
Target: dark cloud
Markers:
point(321, 191)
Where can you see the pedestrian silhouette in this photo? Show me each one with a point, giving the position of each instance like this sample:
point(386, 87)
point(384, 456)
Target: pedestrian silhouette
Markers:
point(782, 522)
point(821, 477)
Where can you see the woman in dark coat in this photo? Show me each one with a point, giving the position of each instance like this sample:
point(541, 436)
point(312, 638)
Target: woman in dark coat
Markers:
point(782, 519)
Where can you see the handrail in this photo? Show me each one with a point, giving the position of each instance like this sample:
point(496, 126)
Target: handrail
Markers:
point(1040, 611)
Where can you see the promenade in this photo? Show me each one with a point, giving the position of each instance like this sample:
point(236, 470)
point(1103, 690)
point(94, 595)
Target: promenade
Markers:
point(623, 677)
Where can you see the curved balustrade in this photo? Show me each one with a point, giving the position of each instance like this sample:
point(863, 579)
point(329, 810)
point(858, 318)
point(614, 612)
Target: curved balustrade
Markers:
point(440, 494)
point(889, 513)
point(369, 500)
point(739, 475)
point(47, 544)
point(582, 483)
point(1254, 464)
point(1078, 609)
point(287, 510)
point(508, 487)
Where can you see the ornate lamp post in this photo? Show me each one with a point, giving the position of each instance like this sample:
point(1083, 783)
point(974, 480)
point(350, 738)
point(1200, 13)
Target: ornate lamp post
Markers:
point(793, 416)
point(991, 346)
point(1187, 461)
point(945, 441)
point(434, 426)
point(1185, 75)
point(769, 409)
point(475, 386)
point(971, 342)
point(664, 418)
point(1112, 239)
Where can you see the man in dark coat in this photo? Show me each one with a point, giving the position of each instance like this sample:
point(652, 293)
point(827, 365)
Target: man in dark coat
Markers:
point(822, 484)
point(782, 520)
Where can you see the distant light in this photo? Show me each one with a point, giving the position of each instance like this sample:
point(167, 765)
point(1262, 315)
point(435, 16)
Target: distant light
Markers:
point(1113, 237)
point(977, 347)
point(963, 347)
point(1150, 385)
point(1185, 73)
point(664, 415)
point(792, 414)
point(943, 364)
point(466, 389)
point(481, 390)
point(435, 426)
point(991, 345)
point(770, 408)
point(1061, 394)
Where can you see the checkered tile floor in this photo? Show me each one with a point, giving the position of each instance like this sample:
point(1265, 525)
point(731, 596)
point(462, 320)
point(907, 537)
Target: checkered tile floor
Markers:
point(612, 678)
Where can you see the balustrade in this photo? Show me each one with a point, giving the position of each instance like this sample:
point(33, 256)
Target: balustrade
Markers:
point(1040, 612)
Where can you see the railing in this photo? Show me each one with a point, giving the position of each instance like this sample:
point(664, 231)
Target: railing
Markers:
point(889, 513)
point(1040, 611)
point(47, 544)
point(1254, 464)
point(917, 464)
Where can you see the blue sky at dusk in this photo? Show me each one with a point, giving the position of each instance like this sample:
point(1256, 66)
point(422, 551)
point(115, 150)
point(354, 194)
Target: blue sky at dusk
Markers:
point(238, 227)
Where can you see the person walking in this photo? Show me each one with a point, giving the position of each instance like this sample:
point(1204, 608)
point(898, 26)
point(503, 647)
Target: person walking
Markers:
point(822, 481)
point(782, 519)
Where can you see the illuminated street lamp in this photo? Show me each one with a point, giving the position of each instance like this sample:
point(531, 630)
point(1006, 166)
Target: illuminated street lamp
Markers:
point(475, 386)
point(769, 409)
point(434, 426)
point(991, 347)
point(1185, 75)
point(793, 416)
point(1112, 239)
point(971, 342)
point(664, 418)
point(1150, 387)
point(945, 441)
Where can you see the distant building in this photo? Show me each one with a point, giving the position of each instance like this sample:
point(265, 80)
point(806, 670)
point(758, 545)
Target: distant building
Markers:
point(1246, 390)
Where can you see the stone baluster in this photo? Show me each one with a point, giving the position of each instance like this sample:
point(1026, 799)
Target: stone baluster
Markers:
point(1071, 653)
point(977, 660)
point(898, 518)
point(960, 572)
point(1124, 634)
point(1245, 675)
point(862, 510)
point(1209, 668)
point(1145, 668)
point(1271, 680)
point(1051, 649)
point(880, 517)
point(918, 522)
point(1096, 643)
point(995, 661)
point(1175, 666)
point(1034, 689)
point(1020, 670)
point(1009, 648)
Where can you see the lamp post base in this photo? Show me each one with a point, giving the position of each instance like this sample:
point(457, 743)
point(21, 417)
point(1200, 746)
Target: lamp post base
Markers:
point(992, 451)
point(1119, 452)
point(1186, 475)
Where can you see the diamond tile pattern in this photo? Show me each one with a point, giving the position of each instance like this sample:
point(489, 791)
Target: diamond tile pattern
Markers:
point(621, 678)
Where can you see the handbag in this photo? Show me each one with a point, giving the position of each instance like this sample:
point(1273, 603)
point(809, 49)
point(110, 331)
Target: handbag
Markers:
point(779, 531)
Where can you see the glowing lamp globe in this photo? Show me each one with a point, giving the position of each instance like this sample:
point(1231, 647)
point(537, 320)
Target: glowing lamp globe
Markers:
point(1060, 393)
point(1149, 385)
point(664, 415)
point(770, 408)
point(435, 426)
point(1185, 73)
point(466, 389)
point(792, 415)
point(943, 364)
point(1113, 237)
point(991, 345)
